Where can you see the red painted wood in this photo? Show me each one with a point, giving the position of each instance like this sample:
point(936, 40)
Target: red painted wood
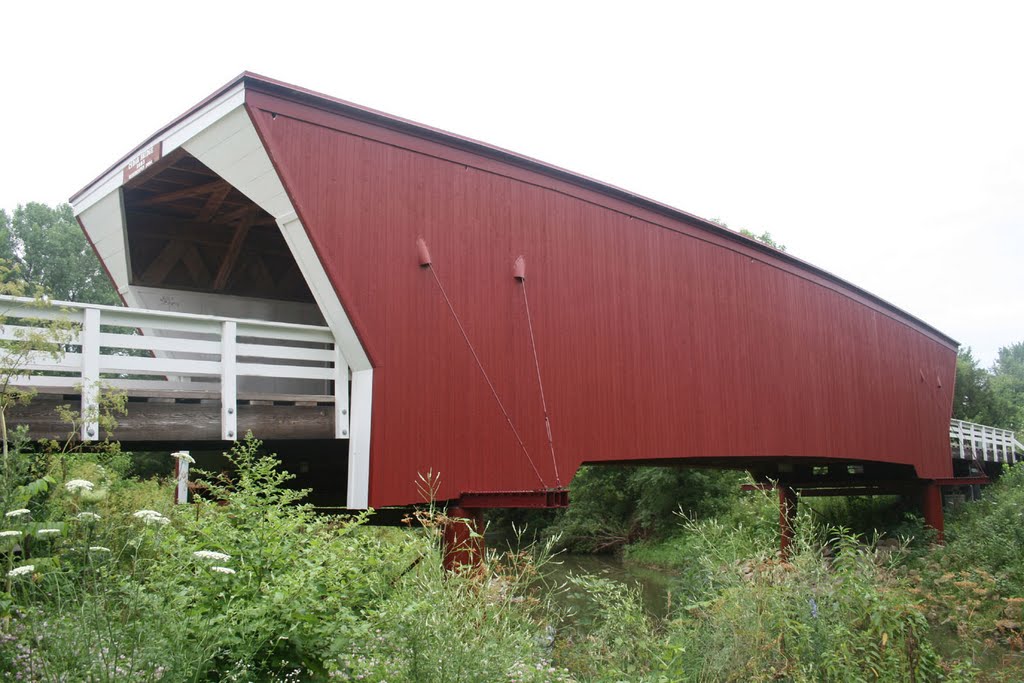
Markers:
point(659, 338)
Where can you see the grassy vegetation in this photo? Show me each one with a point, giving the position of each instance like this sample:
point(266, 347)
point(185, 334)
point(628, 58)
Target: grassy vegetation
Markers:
point(105, 580)
point(849, 605)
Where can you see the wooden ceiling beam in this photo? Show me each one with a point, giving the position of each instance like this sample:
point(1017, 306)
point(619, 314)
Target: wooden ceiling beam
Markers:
point(186, 193)
point(262, 273)
point(213, 204)
point(196, 267)
point(242, 214)
point(234, 249)
point(164, 262)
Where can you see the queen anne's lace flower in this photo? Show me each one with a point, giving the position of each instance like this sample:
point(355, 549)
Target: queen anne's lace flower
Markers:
point(222, 570)
point(21, 512)
point(150, 517)
point(87, 517)
point(78, 485)
point(12, 533)
point(48, 532)
point(212, 555)
point(22, 570)
point(184, 457)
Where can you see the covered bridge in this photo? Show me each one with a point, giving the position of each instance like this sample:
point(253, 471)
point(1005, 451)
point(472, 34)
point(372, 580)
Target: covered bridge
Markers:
point(500, 322)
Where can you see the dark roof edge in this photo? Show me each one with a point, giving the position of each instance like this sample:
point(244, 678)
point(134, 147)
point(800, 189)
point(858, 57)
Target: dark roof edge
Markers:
point(334, 104)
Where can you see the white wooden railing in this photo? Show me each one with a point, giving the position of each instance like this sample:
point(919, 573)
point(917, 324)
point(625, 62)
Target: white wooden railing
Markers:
point(182, 355)
point(971, 441)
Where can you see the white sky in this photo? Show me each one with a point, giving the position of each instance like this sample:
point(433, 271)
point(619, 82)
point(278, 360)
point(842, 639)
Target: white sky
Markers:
point(881, 141)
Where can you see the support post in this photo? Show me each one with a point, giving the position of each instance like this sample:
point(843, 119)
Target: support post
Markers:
point(340, 394)
point(463, 538)
point(181, 477)
point(931, 506)
point(228, 381)
point(787, 515)
point(90, 374)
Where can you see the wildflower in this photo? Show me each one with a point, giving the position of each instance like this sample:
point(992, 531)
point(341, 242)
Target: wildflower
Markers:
point(183, 456)
point(17, 513)
point(12, 533)
point(22, 570)
point(150, 517)
point(87, 517)
point(48, 532)
point(222, 570)
point(212, 555)
point(98, 549)
point(78, 485)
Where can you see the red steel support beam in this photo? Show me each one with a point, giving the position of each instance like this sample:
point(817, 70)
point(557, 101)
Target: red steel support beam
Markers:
point(931, 506)
point(555, 498)
point(463, 538)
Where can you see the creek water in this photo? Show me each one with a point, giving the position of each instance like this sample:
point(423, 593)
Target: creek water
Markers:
point(656, 586)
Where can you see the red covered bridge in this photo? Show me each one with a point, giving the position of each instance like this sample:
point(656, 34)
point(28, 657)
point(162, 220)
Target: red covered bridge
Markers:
point(500, 321)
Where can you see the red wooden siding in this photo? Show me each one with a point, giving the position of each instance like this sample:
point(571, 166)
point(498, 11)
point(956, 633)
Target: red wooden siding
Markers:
point(658, 338)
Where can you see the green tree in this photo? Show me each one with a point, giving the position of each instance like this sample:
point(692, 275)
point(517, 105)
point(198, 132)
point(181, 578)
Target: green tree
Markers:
point(6, 238)
point(973, 399)
point(1008, 386)
point(51, 251)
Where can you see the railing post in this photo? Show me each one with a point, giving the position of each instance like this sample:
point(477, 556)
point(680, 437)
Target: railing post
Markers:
point(181, 477)
point(228, 382)
point(90, 374)
point(340, 394)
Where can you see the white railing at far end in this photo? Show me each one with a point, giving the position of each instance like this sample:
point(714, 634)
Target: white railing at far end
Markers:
point(971, 441)
point(183, 355)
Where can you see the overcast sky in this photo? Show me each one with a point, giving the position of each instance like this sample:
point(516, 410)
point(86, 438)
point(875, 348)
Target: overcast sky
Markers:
point(883, 142)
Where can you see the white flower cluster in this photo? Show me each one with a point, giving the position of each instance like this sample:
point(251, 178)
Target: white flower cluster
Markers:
point(212, 555)
point(184, 457)
point(150, 517)
point(98, 549)
point(21, 512)
point(222, 570)
point(48, 532)
point(78, 485)
point(87, 517)
point(22, 570)
point(12, 533)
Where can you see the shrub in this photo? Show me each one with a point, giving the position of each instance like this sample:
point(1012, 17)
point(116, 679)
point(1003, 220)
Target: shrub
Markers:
point(836, 615)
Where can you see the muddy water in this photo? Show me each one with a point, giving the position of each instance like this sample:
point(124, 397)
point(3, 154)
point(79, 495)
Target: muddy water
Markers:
point(657, 587)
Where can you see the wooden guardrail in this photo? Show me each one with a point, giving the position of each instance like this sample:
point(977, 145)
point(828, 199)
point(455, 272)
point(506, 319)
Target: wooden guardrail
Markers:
point(62, 347)
point(972, 441)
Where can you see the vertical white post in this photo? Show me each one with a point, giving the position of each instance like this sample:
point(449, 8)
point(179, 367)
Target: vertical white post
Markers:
point(90, 374)
point(228, 382)
point(359, 441)
point(340, 394)
point(181, 474)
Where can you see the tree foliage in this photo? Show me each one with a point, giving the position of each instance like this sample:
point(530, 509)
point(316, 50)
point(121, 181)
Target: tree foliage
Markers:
point(993, 397)
point(1008, 385)
point(50, 250)
point(764, 238)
